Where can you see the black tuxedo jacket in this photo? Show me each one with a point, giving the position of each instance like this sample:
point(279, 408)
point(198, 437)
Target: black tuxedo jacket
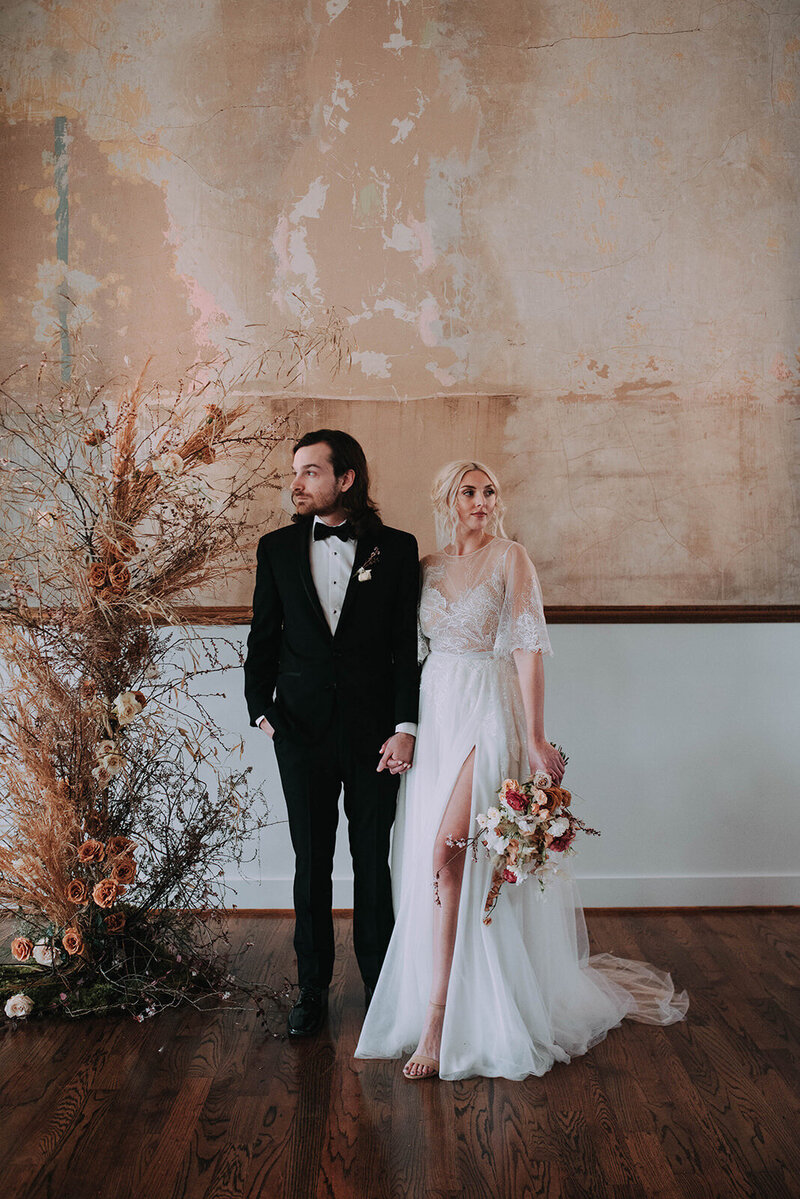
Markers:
point(301, 676)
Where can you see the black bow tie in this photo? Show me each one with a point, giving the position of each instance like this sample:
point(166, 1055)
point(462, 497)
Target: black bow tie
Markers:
point(322, 531)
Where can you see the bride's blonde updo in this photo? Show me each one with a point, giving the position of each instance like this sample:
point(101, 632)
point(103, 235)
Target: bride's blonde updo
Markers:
point(444, 493)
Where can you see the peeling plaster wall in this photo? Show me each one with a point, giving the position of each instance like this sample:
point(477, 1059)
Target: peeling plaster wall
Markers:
point(565, 236)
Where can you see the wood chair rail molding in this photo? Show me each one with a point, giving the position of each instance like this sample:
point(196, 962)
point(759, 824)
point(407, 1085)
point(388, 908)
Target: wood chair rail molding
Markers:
point(583, 614)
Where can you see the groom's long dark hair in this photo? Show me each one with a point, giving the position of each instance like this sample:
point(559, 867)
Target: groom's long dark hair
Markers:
point(347, 454)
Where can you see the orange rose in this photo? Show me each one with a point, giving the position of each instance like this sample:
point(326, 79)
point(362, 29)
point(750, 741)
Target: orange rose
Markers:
point(91, 851)
point(124, 871)
point(21, 948)
point(98, 575)
point(117, 845)
point(77, 891)
point(73, 941)
point(119, 577)
point(105, 892)
point(115, 922)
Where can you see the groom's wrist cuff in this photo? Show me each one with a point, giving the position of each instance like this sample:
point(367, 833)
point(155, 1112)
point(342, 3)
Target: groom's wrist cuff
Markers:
point(408, 726)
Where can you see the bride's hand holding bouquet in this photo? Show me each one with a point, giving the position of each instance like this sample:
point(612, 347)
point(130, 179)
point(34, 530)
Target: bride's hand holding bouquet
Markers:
point(546, 757)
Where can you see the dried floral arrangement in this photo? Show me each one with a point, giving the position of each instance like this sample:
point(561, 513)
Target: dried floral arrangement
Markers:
point(118, 808)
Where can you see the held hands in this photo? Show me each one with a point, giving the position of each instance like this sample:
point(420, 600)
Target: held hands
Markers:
point(397, 753)
point(544, 756)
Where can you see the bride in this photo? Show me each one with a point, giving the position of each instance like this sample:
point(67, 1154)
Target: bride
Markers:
point(510, 998)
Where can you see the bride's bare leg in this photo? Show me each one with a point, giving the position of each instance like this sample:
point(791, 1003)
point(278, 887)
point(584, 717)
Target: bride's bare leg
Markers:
point(448, 862)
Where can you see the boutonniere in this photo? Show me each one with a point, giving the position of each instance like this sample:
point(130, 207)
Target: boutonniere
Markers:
point(364, 572)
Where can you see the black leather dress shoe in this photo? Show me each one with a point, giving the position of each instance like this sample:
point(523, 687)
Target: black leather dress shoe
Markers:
point(309, 1012)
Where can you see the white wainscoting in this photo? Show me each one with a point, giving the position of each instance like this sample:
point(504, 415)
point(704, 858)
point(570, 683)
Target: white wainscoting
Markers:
point(684, 744)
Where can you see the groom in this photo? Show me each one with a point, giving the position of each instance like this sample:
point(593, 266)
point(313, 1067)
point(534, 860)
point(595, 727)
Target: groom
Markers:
point(331, 676)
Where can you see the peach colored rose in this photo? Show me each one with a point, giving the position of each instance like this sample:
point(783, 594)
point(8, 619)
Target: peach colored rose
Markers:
point(115, 922)
point(117, 845)
point(91, 851)
point(119, 577)
point(21, 948)
point(77, 891)
point(124, 870)
point(98, 575)
point(72, 941)
point(105, 892)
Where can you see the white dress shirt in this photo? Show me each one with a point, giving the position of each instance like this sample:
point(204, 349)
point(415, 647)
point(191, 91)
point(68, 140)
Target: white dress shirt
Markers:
point(331, 566)
point(332, 563)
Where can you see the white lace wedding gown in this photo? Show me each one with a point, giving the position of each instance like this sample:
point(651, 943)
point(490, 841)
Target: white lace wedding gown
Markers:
point(523, 991)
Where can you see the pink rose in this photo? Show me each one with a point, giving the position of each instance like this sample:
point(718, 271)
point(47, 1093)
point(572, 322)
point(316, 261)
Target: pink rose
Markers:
point(509, 876)
point(516, 801)
point(559, 844)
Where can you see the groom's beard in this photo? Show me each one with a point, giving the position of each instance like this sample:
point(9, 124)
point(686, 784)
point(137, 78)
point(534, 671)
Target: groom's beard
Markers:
point(324, 505)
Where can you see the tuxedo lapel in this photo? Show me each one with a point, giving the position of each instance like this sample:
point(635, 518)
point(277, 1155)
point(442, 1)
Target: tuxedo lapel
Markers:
point(303, 554)
point(364, 547)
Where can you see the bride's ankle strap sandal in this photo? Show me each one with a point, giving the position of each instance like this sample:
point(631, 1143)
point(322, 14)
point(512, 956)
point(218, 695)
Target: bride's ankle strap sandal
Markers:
point(430, 1067)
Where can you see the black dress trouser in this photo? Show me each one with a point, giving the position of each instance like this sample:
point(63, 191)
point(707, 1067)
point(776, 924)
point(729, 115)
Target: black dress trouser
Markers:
point(312, 777)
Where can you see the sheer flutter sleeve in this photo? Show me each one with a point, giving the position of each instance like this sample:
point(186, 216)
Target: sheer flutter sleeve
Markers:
point(522, 624)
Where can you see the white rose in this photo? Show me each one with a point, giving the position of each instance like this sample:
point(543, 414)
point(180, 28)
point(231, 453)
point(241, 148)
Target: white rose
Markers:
point(542, 779)
point(110, 762)
point(43, 953)
point(168, 465)
point(19, 1006)
point(493, 815)
point(482, 820)
point(101, 774)
point(558, 827)
point(126, 707)
point(496, 842)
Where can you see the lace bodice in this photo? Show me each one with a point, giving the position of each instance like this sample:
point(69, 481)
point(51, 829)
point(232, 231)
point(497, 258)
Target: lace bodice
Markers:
point(486, 601)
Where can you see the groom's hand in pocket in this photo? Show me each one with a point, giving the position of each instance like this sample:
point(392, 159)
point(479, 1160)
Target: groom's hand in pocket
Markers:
point(397, 753)
point(265, 726)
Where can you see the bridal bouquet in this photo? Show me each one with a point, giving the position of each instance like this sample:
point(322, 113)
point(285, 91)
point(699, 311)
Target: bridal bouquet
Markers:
point(523, 834)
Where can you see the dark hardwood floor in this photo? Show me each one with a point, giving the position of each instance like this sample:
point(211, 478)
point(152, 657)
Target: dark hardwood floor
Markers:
point(202, 1105)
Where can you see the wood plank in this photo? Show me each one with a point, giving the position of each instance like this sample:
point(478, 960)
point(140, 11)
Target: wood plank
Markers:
point(202, 1104)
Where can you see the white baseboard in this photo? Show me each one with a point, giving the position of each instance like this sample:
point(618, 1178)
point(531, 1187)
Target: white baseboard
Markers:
point(677, 891)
